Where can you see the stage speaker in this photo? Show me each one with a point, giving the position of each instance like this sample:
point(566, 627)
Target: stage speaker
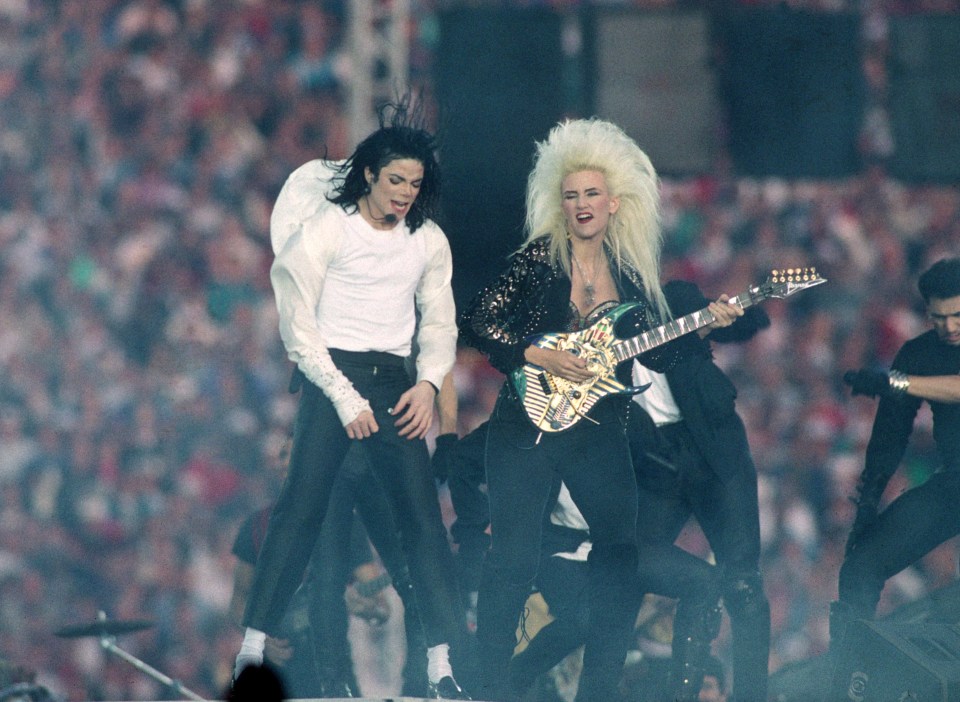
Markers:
point(925, 97)
point(893, 662)
point(499, 88)
point(941, 605)
point(793, 89)
point(651, 73)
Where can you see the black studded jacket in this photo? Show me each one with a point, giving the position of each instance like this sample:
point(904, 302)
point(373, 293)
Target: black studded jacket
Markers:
point(532, 297)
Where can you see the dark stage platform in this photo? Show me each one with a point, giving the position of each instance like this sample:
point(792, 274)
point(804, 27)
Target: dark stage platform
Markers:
point(911, 655)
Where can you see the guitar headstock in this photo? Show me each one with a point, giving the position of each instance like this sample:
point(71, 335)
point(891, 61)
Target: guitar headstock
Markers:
point(787, 281)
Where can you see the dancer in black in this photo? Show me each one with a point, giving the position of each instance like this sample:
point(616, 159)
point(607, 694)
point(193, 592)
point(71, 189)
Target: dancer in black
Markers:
point(714, 480)
point(926, 368)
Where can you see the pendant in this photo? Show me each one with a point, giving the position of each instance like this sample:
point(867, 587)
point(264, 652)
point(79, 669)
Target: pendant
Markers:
point(588, 290)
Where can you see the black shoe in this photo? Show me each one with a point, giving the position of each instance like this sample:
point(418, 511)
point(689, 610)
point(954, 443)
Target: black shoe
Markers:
point(446, 689)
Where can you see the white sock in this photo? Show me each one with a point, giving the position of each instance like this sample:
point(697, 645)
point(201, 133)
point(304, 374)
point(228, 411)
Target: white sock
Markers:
point(438, 663)
point(251, 650)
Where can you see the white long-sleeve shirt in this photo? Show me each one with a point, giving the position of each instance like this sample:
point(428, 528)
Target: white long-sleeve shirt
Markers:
point(340, 283)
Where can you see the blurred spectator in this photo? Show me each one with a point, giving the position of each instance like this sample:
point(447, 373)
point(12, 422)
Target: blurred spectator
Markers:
point(142, 144)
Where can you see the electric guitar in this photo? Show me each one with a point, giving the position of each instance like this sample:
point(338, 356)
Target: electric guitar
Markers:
point(554, 404)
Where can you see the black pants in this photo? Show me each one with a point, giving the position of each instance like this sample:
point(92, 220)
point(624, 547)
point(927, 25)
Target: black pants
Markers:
point(342, 539)
point(912, 525)
point(728, 513)
point(593, 460)
point(663, 569)
point(469, 529)
point(401, 465)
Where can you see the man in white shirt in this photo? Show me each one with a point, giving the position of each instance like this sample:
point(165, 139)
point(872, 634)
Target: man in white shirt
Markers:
point(356, 274)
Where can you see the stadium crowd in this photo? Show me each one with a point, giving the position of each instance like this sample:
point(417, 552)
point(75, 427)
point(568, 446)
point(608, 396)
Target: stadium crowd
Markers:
point(142, 380)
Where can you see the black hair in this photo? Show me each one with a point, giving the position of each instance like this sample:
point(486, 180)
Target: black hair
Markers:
point(401, 135)
point(941, 280)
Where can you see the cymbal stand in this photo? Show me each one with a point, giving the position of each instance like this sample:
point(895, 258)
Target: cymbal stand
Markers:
point(107, 642)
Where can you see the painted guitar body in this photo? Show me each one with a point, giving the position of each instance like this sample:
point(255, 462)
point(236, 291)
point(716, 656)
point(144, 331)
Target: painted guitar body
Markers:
point(553, 403)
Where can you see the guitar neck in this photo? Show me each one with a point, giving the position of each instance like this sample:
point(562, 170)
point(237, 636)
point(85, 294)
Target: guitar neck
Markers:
point(675, 328)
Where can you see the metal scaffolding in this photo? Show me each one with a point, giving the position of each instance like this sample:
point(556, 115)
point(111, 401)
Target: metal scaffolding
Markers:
point(379, 51)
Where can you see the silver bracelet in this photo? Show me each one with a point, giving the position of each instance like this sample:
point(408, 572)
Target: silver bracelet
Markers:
point(899, 382)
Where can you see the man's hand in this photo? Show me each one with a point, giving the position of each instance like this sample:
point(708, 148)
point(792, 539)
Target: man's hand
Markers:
point(443, 455)
point(868, 382)
point(415, 410)
point(363, 426)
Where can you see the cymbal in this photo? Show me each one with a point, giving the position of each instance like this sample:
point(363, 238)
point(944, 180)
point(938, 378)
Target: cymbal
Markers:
point(103, 627)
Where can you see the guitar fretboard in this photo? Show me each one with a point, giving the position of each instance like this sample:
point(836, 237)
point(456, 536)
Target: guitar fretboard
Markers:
point(675, 328)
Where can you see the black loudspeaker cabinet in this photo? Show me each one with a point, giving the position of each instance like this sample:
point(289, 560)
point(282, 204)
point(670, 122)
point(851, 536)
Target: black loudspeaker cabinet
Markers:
point(924, 97)
point(898, 662)
point(499, 89)
point(794, 90)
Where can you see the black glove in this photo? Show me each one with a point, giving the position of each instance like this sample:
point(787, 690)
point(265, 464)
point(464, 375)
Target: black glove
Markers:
point(443, 455)
point(868, 382)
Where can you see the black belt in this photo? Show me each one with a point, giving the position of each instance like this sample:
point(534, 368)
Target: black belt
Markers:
point(355, 358)
point(367, 358)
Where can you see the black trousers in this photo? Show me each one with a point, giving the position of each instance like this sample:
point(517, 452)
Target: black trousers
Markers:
point(912, 525)
point(401, 465)
point(593, 460)
point(663, 569)
point(342, 539)
point(470, 503)
point(728, 513)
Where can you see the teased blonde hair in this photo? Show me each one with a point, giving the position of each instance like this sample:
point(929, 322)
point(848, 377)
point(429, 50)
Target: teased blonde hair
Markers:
point(634, 235)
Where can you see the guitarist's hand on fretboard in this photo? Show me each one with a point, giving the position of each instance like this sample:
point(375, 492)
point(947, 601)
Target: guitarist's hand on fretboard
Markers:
point(561, 363)
point(724, 314)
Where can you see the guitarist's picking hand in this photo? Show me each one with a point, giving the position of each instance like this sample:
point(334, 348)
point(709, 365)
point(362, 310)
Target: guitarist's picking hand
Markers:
point(363, 426)
point(416, 420)
point(561, 363)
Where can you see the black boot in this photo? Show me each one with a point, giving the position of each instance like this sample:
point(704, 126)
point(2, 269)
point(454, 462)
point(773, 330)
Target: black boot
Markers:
point(749, 612)
point(548, 648)
point(695, 626)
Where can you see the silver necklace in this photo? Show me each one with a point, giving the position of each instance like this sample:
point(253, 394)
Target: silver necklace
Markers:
point(588, 288)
